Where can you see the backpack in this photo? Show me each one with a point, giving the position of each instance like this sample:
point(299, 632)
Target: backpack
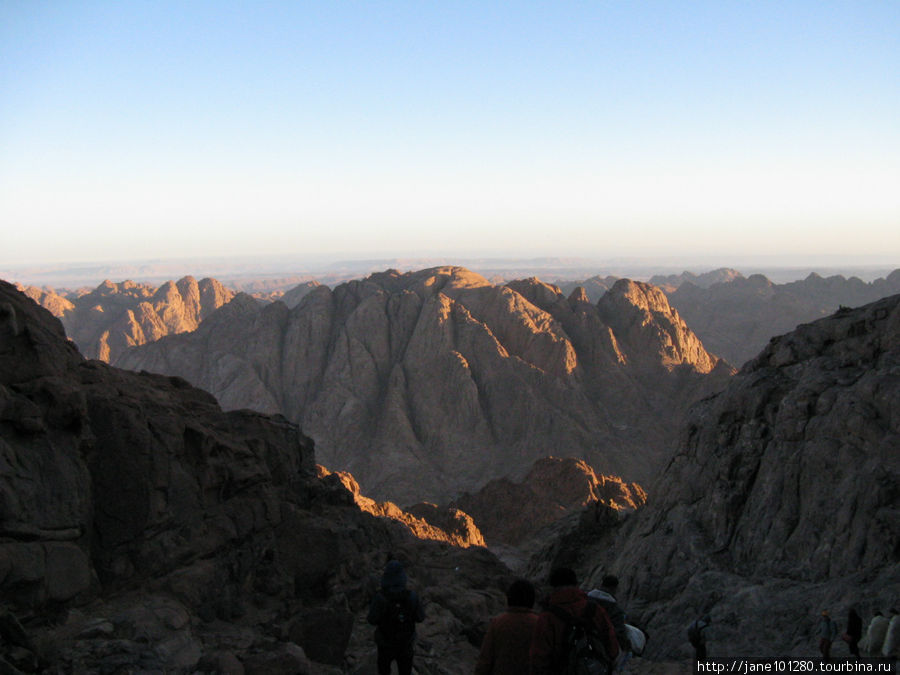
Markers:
point(399, 623)
point(638, 638)
point(584, 651)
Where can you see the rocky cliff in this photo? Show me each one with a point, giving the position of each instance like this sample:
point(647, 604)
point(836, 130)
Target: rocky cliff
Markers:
point(429, 383)
point(781, 501)
point(141, 528)
point(114, 316)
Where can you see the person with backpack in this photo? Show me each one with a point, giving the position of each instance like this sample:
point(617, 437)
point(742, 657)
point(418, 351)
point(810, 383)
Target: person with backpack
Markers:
point(394, 611)
point(827, 631)
point(697, 636)
point(604, 596)
point(504, 650)
point(572, 635)
point(854, 631)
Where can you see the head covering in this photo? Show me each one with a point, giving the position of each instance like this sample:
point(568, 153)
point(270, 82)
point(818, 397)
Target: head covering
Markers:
point(394, 577)
point(610, 581)
point(562, 576)
point(520, 594)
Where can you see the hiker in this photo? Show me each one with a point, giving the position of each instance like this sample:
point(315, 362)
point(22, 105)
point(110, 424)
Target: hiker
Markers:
point(891, 637)
point(605, 597)
point(504, 650)
point(395, 610)
point(826, 632)
point(571, 630)
point(874, 639)
point(854, 631)
point(697, 636)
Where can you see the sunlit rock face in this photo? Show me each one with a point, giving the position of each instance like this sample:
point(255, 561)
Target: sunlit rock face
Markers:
point(781, 500)
point(425, 521)
point(510, 512)
point(426, 384)
point(134, 511)
point(115, 316)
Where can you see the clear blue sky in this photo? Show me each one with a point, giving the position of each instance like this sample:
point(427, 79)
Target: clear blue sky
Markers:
point(360, 129)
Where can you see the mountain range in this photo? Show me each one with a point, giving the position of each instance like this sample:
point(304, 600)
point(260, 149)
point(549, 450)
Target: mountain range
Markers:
point(735, 316)
point(426, 384)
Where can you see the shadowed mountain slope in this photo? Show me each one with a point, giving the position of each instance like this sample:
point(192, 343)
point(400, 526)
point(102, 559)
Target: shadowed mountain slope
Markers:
point(781, 501)
point(429, 383)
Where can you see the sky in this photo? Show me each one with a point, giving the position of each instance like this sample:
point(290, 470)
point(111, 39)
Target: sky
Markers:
point(133, 130)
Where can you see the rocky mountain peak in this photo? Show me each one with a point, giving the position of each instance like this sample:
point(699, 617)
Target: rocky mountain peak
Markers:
point(578, 296)
point(652, 334)
point(440, 364)
point(116, 316)
point(639, 295)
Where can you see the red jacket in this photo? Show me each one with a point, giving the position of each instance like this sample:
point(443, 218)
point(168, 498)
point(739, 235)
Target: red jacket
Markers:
point(505, 647)
point(547, 654)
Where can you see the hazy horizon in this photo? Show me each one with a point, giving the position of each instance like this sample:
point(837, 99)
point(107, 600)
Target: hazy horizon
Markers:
point(236, 269)
point(701, 131)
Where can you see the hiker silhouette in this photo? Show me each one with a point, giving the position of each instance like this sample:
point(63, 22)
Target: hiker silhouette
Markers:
point(504, 650)
point(697, 636)
point(571, 629)
point(394, 611)
point(854, 631)
point(826, 632)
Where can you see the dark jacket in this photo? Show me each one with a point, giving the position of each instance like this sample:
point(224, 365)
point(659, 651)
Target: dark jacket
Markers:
point(547, 644)
point(504, 650)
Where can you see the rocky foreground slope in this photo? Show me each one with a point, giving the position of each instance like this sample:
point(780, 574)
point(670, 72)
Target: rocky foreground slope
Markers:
point(782, 500)
point(143, 529)
point(429, 383)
